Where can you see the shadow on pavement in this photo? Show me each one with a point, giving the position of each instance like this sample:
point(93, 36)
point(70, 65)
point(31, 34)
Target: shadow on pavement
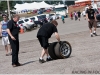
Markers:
point(98, 35)
point(28, 63)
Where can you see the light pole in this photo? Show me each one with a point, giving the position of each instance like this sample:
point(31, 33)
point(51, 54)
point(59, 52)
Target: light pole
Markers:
point(8, 10)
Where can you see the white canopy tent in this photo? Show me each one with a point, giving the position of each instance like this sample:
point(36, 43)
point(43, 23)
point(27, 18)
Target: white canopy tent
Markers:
point(44, 5)
point(34, 5)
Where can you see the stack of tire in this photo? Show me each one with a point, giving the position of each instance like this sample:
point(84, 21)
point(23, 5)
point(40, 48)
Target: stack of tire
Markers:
point(60, 51)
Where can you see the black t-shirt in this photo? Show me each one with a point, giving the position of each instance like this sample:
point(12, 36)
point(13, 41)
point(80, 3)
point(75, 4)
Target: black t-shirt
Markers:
point(14, 28)
point(79, 13)
point(47, 30)
point(90, 13)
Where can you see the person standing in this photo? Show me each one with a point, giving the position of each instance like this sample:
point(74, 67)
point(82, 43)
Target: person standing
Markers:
point(79, 15)
point(43, 35)
point(84, 14)
point(91, 16)
point(75, 15)
point(4, 34)
point(13, 31)
point(71, 15)
point(63, 20)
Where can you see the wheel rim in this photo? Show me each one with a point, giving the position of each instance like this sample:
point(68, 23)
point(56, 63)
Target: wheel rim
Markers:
point(65, 49)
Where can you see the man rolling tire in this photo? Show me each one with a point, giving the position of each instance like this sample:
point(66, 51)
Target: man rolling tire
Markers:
point(43, 36)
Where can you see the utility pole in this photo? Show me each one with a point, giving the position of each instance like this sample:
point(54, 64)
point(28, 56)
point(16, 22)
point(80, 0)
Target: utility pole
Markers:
point(8, 10)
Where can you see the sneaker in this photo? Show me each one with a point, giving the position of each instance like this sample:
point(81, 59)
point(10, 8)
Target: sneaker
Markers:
point(91, 35)
point(41, 60)
point(16, 65)
point(95, 34)
point(49, 59)
point(8, 54)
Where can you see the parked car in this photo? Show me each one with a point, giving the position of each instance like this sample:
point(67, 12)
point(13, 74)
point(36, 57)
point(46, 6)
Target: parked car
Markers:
point(58, 16)
point(42, 18)
point(48, 10)
point(36, 22)
point(24, 25)
point(29, 22)
point(28, 12)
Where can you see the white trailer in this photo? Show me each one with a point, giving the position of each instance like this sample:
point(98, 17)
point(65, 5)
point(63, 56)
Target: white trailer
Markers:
point(61, 9)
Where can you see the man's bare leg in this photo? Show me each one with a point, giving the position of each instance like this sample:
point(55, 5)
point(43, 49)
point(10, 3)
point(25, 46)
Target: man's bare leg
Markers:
point(43, 53)
point(6, 48)
point(9, 48)
point(91, 32)
point(95, 31)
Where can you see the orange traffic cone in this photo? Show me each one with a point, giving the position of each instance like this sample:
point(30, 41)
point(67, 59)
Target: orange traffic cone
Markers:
point(21, 30)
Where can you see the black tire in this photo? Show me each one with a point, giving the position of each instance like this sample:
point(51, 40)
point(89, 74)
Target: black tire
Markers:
point(60, 50)
point(51, 50)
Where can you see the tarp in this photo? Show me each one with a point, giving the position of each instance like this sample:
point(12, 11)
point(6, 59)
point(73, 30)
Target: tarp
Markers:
point(34, 5)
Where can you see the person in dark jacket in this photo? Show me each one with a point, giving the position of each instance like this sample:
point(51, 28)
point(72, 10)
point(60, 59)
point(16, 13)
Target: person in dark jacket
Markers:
point(43, 36)
point(79, 15)
point(13, 34)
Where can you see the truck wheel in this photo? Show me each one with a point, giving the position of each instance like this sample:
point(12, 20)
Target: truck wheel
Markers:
point(64, 50)
point(51, 50)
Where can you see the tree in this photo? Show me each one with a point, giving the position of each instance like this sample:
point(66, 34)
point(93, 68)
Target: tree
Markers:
point(69, 2)
point(3, 5)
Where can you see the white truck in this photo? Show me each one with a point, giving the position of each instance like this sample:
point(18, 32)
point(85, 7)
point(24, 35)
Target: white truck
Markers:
point(61, 9)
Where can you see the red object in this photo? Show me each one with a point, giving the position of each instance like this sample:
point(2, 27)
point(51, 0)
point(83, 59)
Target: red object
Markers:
point(48, 10)
point(21, 25)
point(31, 21)
point(71, 15)
point(16, 24)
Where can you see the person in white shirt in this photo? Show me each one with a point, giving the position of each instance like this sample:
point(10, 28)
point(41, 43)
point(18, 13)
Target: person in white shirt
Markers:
point(4, 35)
point(84, 14)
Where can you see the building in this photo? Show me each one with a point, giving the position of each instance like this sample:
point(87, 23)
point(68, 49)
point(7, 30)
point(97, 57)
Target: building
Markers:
point(86, 2)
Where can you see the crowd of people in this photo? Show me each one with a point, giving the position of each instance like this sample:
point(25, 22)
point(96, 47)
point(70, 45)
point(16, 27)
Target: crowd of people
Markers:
point(90, 15)
point(76, 15)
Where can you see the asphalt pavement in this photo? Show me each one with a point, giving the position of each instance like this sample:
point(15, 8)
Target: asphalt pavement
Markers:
point(85, 57)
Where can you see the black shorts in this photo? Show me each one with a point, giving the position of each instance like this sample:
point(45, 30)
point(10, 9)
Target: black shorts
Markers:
point(79, 16)
point(43, 42)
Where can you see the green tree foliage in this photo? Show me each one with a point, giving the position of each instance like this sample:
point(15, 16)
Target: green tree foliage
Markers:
point(69, 2)
point(3, 5)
